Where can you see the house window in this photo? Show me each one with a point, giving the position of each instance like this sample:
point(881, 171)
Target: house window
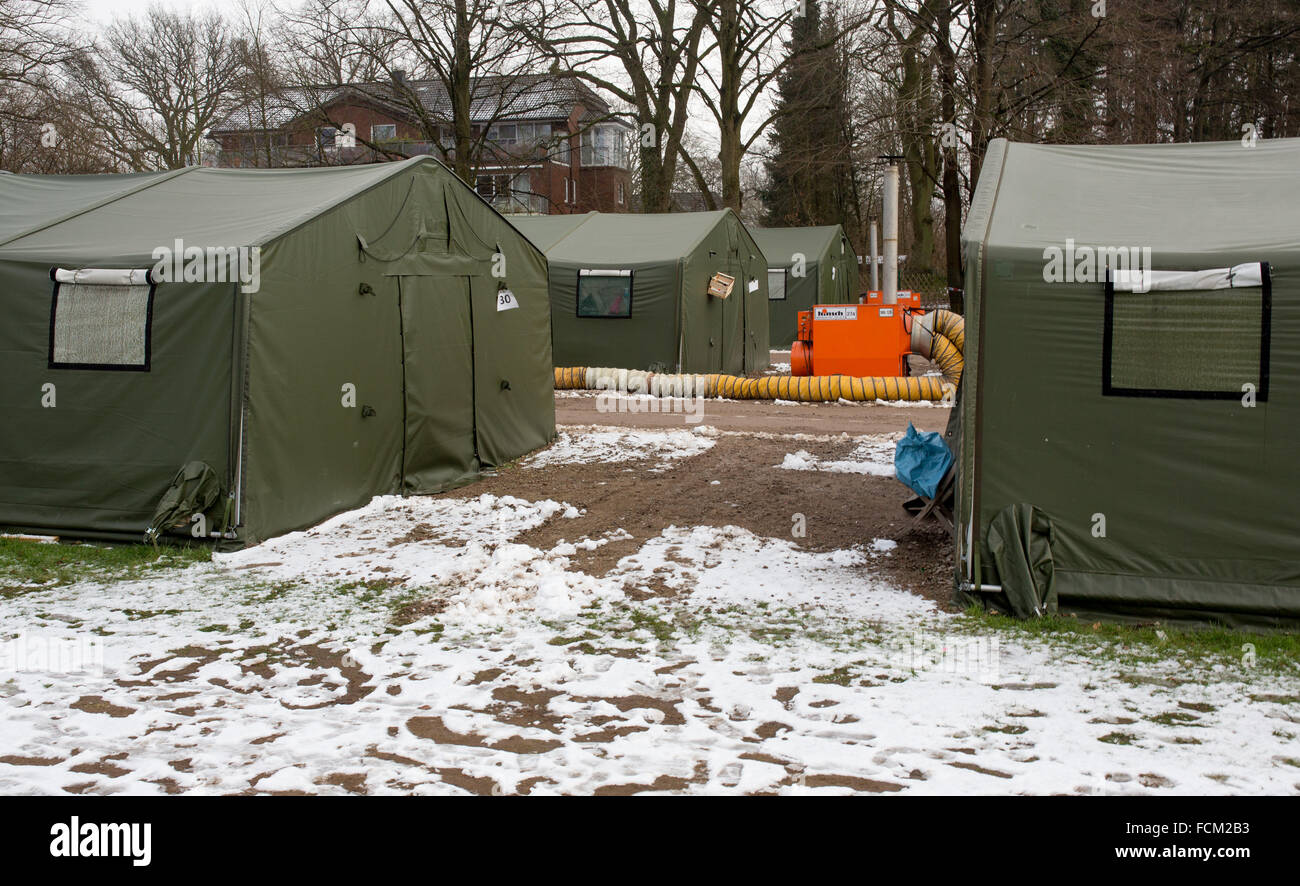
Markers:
point(776, 284)
point(605, 293)
point(383, 132)
point(605, 145)
point(619, 192)
point(524, 133)
point(508, 192)
point(101, 320)
point(1188, 334)
point(325, 136)
point(503, 134)
point(562, 153)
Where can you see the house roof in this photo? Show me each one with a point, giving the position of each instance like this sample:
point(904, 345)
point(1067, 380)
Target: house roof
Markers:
point(525, 97)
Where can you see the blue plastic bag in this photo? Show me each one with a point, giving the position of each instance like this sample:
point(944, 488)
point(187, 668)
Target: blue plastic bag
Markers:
point(921, 460)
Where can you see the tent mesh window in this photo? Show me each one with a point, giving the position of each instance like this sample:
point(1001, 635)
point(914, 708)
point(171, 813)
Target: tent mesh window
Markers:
point(776, 284)
point(607, 294)
point(99, 326)
point(1192, 344)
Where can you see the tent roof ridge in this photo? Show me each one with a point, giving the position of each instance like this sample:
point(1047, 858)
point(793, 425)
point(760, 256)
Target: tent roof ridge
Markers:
point(587, 216)
point(334, 202)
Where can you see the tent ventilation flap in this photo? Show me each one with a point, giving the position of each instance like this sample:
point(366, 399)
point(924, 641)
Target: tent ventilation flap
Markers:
point(102, 276)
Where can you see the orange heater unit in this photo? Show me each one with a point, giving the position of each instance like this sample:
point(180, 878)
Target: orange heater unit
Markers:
point(869, 339)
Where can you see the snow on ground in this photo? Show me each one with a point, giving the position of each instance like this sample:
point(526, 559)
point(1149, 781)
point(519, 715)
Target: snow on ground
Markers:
point(612, 444)
point(874, 454)
point(415, 646)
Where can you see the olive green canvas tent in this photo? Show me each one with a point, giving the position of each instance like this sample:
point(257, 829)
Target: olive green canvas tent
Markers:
point(633, 290)
point(268, 347)
point(1132, 386)
point(806, 267)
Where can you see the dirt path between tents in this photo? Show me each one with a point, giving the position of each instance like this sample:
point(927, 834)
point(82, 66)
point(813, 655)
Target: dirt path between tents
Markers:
point(740, 482)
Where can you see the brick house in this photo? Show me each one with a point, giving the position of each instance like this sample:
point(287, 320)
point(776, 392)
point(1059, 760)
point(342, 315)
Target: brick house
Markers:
point(545, 143)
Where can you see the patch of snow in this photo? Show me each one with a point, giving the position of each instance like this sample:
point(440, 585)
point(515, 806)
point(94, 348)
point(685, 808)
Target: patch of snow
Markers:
point(755, 666)
point(874, 454)
point(612, 445)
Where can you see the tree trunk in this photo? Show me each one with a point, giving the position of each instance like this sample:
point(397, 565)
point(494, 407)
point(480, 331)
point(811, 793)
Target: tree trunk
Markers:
point(952, 206)
point(985, 21)
point(461, 97)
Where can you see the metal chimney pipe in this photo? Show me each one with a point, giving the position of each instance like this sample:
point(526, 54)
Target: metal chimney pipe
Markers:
point(889, 294)
point(875, 257)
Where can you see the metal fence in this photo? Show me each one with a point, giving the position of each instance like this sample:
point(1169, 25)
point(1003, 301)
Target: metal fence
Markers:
point(933, 287)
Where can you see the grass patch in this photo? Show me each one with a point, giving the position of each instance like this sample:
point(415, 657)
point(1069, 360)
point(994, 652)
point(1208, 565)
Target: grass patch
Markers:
point(1123, 738)
point(1273, 652)
point(25, 564)
point(841, 676)
point(569, 641)
point(1176, 718)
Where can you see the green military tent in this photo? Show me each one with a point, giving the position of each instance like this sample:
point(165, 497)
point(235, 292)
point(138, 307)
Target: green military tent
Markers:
point(547, 230)
point(632, 290)
point(806, 267)
point(269, 347)
point(1131, 394)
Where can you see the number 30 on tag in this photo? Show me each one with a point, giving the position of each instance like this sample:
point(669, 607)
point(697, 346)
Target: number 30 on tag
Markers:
point(506, 300)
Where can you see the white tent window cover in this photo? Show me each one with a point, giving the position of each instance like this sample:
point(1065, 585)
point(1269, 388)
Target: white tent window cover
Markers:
point(776, 284)
point(1188, 334)
point(1247, 276)
point(100, 319)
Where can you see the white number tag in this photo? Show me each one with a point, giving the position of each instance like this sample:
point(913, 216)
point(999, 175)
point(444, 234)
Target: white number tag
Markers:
point(506, 300)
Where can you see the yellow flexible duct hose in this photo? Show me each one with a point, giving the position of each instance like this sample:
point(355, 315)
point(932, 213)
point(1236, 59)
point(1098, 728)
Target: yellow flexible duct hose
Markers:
point(807, 389)
point(570, 378)
point(941, 337)
point(938, 335)
point(829, 388)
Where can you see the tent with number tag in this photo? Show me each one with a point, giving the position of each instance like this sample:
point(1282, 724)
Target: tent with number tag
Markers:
point(1131, 397)
point(667, 292)
point(266, 347)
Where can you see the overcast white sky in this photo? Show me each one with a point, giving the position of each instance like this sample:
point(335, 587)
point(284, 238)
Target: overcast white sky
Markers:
point(103, 10)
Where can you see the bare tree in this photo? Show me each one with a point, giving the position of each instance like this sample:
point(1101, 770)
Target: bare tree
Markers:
point(331, 42)
point(42, 132)
point(155, 85)
point(480, 56)
point(260, 86)
point(34, 36)
point(654, 46)
point(746, 36)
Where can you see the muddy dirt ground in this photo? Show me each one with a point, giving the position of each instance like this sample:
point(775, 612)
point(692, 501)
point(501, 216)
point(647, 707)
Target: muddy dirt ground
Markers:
point(739, 482)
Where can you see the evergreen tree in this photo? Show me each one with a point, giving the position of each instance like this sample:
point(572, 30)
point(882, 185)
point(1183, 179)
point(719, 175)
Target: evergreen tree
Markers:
point(808, 166)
